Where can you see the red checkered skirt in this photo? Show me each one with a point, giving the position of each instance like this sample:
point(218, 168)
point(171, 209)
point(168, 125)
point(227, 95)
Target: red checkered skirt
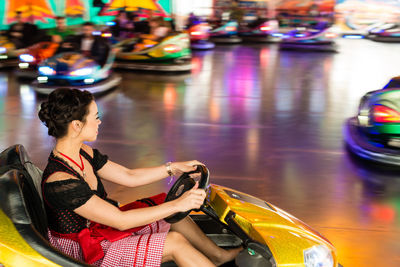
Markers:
point(142, 248)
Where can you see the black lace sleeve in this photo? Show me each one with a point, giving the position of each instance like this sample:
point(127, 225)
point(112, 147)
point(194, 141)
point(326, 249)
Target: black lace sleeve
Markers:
point(99, 160)
point(67, 194)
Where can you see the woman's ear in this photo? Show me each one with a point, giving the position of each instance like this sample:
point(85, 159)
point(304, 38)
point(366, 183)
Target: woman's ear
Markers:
point(77, 125)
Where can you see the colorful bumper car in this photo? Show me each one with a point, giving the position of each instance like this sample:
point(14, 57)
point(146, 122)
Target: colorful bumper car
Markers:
point(261, 31)
point(33, 56)
point(389, 32)
point(171, 54)
point(318, 38)
point(374, 134)
point(72, 69)
point(8, 53)
point(227, 33)
point(199, 37)
point(271, 237)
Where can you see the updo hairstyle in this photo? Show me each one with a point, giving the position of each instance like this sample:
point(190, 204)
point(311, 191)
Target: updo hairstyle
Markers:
point(64, 105)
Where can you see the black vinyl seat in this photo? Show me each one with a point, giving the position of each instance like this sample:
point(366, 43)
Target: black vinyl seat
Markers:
point(21, 201)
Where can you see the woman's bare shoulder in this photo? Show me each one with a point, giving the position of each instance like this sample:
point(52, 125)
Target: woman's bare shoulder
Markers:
point(87, 149)
point(60, 176)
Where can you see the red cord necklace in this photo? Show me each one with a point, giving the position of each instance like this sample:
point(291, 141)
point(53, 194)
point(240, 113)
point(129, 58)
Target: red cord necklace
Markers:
point(73, 161)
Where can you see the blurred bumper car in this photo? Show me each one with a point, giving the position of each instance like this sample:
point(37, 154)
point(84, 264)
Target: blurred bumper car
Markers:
point(32, 57)
point(199, 37)
point(8, 53)
point(72, 69)
point(261, 31)
point(171, 54)
point(311, 39)
point(389, 32)
point(227, 33)
point(374, 134)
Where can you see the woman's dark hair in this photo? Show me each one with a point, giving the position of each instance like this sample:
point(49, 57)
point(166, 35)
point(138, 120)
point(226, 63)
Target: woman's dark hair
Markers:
point(63, 106)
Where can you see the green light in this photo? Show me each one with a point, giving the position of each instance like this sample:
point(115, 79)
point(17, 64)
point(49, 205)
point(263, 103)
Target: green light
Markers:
point(251, 252)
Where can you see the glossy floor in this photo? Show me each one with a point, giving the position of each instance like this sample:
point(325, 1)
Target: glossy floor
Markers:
point(265, 122)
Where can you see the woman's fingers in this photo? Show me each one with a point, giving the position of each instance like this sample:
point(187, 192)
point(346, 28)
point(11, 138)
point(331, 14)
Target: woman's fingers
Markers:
point(196, 185)
point(196, 196)
point(195, 162)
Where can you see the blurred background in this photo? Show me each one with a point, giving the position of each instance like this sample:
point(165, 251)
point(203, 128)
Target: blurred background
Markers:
point(266, 114)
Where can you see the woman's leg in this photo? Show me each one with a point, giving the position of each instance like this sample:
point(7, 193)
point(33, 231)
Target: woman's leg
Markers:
point(189, 229)
point(179, 250)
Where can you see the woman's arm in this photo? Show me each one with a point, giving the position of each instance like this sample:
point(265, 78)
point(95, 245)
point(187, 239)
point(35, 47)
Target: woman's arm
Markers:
point(100, 211)
point(119, 174)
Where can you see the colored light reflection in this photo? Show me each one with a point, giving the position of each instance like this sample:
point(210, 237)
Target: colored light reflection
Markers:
point(196, 65)
point(28, 98)
point(381, 212)
point(170, 96)
point(3, 85)
point(264, 57)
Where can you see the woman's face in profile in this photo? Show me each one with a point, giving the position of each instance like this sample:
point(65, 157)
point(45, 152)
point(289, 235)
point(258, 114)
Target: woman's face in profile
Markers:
point(90, 129)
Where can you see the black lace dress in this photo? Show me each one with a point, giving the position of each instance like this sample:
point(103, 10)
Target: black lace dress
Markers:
point(61, 198)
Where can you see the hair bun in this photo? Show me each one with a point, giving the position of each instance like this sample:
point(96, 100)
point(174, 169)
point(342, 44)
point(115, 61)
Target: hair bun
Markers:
point(63, 106)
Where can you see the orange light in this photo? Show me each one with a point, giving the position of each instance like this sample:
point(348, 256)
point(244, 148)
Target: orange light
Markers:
point(330, 35)
point(106, 35)
point(230, 28)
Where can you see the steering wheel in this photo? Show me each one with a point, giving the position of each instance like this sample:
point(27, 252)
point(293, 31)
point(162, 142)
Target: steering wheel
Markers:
point(183, 184)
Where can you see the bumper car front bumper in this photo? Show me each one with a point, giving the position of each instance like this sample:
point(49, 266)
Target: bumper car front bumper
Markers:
point(176, 65)
point(327, 46)
point(361, 145)
point(95, 88)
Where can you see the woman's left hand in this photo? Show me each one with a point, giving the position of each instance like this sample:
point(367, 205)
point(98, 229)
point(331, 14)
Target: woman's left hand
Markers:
point(184, 166)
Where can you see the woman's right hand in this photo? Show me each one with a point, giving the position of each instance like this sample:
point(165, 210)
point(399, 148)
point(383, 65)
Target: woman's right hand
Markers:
point(192, 199)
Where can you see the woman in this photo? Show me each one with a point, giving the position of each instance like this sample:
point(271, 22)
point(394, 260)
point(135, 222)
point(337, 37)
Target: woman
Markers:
point(87, 225)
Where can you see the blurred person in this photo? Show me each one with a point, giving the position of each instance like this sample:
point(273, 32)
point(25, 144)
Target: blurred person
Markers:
point(60, 32)
point(92, 46)
point(236, 13)
point(140, 26)
point(172, 22)
point(158, 30)
point(123, 26)
point(192, 20)
point(21, 33)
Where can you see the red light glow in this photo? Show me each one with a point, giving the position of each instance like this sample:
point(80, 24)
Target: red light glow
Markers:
point(265, 28)
point(384, 114)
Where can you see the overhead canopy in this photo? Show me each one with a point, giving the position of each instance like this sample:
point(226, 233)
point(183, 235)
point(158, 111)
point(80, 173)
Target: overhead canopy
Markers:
point(144, 6)
point(74, 8)
point(31, 10)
